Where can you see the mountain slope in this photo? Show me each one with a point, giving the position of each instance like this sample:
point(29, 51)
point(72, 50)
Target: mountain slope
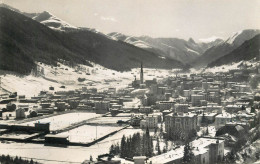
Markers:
point(247, 51)
point(225, 47)
point(175, 48)
point(24, 41)
point(206, 45)
point(53, 22)
point(45, 18)
point(136, 42)
point(129, 39)
point(178, 49)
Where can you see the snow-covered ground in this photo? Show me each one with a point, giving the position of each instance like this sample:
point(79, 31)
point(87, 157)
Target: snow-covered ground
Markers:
point(95, 77)
point(58, 155)
point(108, 120)
point(64, 120)
point(89, 133)
point(224, 68)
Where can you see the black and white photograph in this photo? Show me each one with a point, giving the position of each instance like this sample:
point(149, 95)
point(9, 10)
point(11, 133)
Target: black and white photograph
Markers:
point(129, 81)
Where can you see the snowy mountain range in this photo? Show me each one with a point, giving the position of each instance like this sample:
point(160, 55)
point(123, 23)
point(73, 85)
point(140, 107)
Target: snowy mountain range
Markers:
point(197, 54)
point(225, 47)
point(248, 50)
point(25, 41)
point(53, 22)
point(175, 48)
point(129, 39)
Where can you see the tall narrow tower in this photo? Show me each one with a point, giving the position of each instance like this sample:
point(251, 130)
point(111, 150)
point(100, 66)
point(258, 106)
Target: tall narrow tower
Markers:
point(142, 74)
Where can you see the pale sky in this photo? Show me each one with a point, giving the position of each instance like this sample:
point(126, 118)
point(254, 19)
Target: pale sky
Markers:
point(199, 19)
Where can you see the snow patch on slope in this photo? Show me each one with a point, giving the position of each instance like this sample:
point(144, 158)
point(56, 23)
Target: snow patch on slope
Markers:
point(224, 68)
point(190, 50)
point(232, 38)
point(53, 22)
point(210, 39)
point(129, 39)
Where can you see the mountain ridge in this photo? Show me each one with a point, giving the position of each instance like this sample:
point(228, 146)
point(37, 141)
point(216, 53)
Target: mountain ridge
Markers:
point(175, 48)
point(28, 40)
point(225, 47)
point(247, 51)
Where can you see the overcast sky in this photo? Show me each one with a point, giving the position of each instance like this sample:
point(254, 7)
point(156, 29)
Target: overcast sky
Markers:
point(157, 18)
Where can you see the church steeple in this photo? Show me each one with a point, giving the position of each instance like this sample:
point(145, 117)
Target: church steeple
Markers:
point(142, 74)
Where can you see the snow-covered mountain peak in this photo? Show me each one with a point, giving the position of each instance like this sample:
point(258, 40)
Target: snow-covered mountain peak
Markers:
point(53, 22)
point(45, 15)
point(231, 39)
point(240, 37)
point(129, 39)
point(210, 39)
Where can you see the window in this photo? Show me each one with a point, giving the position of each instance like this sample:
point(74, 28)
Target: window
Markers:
point(203, 159)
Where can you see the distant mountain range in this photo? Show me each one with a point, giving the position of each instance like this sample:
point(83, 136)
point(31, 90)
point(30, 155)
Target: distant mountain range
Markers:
point(30, 37)
point(225, 47)
point(178, 49)
point(25, 41)
point(250, 49)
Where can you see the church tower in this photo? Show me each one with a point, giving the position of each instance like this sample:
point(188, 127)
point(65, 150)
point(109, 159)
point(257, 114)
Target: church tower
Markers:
point(142, 74)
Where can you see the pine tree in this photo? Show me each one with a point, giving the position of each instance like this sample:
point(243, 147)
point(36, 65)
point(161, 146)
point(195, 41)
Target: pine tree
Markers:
point(252, 110)
point(243, 107)
point(91, 158)
point(166, 145)
point(117, 149)
point(147, 142)
point(158, 146)
point(127, 150)
point(150, 150)
point(138, 145)
point(112, 149)
point(164, 150)
point(123, 147)
point(147, 133)
point(207, 131)
point(188, 154)
point(155, 130)
point(203, 119)
point(16, 160)
point(161, 129)
point(231, 157)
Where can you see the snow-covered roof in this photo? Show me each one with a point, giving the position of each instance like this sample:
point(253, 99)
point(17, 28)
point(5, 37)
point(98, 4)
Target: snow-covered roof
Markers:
point(182, 114)
point(224, 115)
point(169, 156)
point(200, 147)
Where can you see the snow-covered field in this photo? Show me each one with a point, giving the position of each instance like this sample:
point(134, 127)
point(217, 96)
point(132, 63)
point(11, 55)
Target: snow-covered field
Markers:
point(89, 133)
point(64, 120)
point(95, 77)
point(108, 120)
point(224, 68)
point(58, 155)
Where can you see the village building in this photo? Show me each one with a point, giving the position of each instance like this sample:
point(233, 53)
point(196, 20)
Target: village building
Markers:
point(184, 122)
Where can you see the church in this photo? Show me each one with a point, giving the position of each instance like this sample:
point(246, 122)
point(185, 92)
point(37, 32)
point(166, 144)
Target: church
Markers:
point(139, 83)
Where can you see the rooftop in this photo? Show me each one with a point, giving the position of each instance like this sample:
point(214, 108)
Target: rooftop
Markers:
point(200, 147)
point(182, 114)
